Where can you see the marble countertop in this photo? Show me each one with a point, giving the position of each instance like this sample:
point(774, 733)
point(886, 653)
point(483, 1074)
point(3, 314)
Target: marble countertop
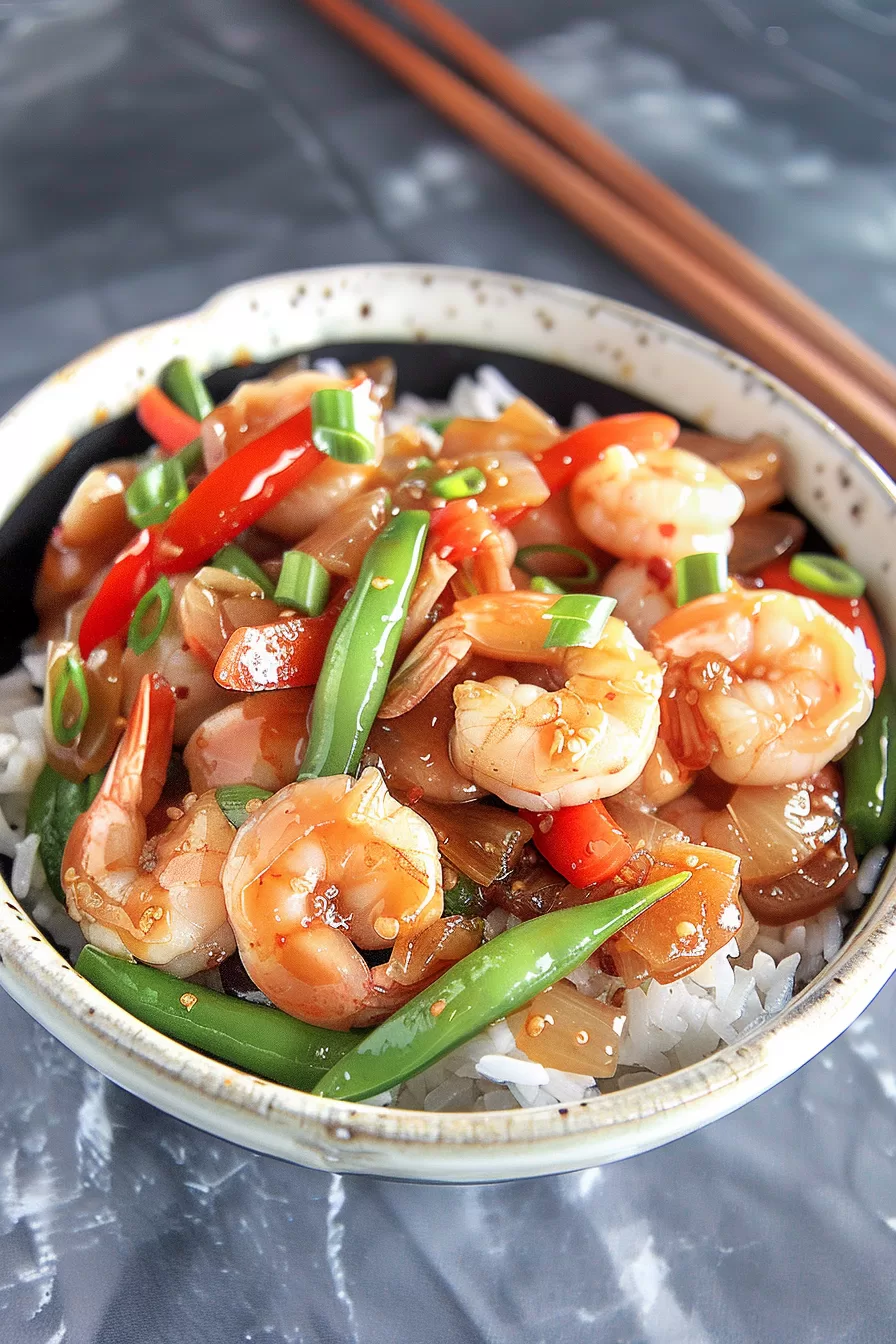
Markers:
point(150, 154)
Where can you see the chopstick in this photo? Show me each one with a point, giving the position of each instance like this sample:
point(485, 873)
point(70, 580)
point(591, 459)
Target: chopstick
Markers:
point(707, 294)
point(647, 194)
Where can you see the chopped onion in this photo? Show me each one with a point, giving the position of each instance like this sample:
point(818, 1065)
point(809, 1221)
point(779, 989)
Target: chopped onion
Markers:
point(564, 1029)
point(799, 895)
point(341, 541)
point(482, 841)
point(523, 427)
point(643, 830)
point(213, 604)
point(440, 944)
point(762, 538)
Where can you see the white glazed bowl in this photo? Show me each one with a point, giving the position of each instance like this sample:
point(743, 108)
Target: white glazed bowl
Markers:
point(830, 478)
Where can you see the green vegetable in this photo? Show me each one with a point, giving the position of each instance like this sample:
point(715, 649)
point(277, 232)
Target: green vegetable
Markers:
point(464, 897)
point(491, 982)
point(342, 424)
point(191, 457)
point(141, 640)
point(541, 584)
point(362, 648)
point(71, 677)
point(699, 575)
point(156, 492)
point(826, 574)
point(589, 573)
point(54, 806)
point(869, 774)
point(180, 381)
point(304, 584)
point(460, 484)
point(439, 425)
point(578, 620)
point(235, 560)
point(251, 1036)
point(232, 800)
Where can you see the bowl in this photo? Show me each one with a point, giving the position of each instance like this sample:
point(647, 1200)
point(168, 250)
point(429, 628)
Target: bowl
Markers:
point(559, 344)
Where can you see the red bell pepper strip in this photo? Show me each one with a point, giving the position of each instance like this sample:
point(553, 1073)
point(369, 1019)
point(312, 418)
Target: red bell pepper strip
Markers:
point(161, 417)
point(458, 530)
point(227, 501)
point(638, 431)
point(582, 843)
point(854, 612)
point(280, 655)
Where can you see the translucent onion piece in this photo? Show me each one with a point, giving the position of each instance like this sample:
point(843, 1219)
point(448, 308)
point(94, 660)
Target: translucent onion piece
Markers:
point(819, 883)
point(439, 945)
point(523, 427)
point(755, 465)
point(643, 830)
point(679, 933)
point(383, 376)
point(341, 541)
point(512, 481)
point(483, 842)
point(98, 739)
point(257, 406)
point(772, 830)
point(762, 538)
point(564, 1029)
point(534, 888)
point(95, 515)
point(213, 604)
point(401, 453)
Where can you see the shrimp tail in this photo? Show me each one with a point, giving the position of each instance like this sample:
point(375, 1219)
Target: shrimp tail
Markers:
point(136, 777)
point(437, 654)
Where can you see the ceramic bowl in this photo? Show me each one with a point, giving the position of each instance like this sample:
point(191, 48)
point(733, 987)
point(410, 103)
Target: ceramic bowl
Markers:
point(573, 338)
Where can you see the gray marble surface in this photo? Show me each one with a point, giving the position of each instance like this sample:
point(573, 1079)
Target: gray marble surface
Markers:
point(150, 153)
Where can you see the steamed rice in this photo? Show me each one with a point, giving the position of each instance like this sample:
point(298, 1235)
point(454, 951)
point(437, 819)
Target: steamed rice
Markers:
point(667, 1026)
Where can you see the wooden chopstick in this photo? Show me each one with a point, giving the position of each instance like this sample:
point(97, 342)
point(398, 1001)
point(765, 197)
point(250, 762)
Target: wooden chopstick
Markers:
point(648, 195)
point(706, 293)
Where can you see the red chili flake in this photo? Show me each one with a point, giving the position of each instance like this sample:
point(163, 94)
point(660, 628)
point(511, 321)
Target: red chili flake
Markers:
point(658, 569)
point(667, 529)
point(181, 692)
point(415, 793)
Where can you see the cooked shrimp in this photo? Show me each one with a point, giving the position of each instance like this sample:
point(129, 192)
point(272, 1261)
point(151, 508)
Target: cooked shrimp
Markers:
point(326, 867)
point(762, 686)
point(662, 781)
point(659, 502)
point(259, 740)
point(160, 899)
point(197, 693)
point(644, 593)
point(541, 749)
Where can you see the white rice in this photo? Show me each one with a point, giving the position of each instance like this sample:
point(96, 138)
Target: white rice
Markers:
point(667, 1026)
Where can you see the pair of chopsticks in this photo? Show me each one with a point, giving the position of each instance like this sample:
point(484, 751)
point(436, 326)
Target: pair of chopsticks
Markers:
point(633, 214)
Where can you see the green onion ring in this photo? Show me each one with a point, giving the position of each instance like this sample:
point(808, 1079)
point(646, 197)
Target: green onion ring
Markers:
point(460, 484)
point(72, 674)
point(827, 574)
point(565, 581)
point(140, 641)
point(577, 620)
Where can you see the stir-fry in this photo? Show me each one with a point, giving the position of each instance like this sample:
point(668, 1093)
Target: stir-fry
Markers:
point(452, 760)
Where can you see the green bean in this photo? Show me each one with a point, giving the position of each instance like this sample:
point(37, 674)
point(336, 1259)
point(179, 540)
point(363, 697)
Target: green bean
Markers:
point(362, 648)
point(251, 1036)
point(869, 774)
point(491, 982)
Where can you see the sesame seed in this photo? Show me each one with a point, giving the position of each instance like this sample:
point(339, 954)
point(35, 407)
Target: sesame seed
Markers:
point(385, 927)
point(535, 1025)
point(582, 1037)
point(438, 1007)
point(189, 1001)
point(381, 582)
point(685, 928)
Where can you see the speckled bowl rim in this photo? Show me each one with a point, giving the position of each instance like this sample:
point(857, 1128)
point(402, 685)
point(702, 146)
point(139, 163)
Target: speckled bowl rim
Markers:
point(417, 1145)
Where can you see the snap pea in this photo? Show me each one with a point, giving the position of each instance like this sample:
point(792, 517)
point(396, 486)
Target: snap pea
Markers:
point(251, 1036)
point(362, 648)
point(53, 807)
point(491, 982)
point(180, 381)
point(869, 774)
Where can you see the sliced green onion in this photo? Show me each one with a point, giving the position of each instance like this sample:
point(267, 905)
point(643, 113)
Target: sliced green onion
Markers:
point(141, 640)
point(439, 425)
point(577, 620)
point(303, 584)
point(156, 492)
point(233, 799)
point(342, 426)
point(421, 464)
point(541, 584)
point(826, 574)
point(463, 898)
point(700, 575)
point(460, 484)
point(589, 573)
point(180, 381)
point(235, 560)
point(71, 676)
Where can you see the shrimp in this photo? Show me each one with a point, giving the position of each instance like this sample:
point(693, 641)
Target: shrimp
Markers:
point(762, 686)
point(160, 899)
point(259, 740)
point(657, 502)
point(644, 593)
point(587, 735)
point(323, 868)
